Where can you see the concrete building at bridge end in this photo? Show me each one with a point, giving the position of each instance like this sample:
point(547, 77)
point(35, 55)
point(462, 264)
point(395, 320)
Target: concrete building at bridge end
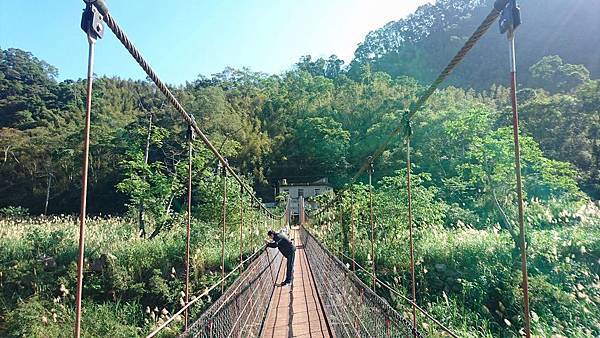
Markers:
point(298, 191)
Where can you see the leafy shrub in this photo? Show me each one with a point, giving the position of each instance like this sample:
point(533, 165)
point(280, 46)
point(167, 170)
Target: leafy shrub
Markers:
point(36, 317)
point(11, 211)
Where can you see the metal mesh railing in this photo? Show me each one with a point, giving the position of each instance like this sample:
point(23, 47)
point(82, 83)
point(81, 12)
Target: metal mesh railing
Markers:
point(240, 311)
point(351, 307)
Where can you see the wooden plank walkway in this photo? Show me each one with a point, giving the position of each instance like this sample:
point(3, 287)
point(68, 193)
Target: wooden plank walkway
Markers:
point(295, 311)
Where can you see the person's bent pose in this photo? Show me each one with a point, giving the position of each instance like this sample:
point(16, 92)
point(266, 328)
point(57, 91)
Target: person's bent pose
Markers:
point(287, 249)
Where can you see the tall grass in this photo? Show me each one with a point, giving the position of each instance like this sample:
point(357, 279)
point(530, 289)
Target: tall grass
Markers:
point(130, 283)
point(470, 278)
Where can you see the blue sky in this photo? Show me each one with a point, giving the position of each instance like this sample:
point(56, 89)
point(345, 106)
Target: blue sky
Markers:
point(184, 38)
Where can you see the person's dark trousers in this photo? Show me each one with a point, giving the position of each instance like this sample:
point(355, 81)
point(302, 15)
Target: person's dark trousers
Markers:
point(289, 273)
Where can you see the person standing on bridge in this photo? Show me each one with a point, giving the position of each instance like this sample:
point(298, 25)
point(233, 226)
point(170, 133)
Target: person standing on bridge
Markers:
point(287, 249)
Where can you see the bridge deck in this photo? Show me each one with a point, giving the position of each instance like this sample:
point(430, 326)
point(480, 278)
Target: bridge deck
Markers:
point(295, 311)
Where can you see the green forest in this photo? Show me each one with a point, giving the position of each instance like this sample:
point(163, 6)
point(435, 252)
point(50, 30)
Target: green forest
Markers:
point(321, 118)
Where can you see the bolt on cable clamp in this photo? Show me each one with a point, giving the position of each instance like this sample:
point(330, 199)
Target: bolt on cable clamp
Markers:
point(190, 135)
point(91, 22)
point(370, 159)
point(413, 106)
point(224, 167)
point(407, 124)
point(510, 18)
point(500, 4)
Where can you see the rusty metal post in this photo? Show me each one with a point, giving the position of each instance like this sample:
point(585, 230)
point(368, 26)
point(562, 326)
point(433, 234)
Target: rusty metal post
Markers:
point(352, 233)
point(223, 228)
point(84, 182)
point(301, 212)
point(257, 223)
point(190, 139)
point(371, 221)
point(523, 244)
point(342, 229)
point(382, 225)
point(91, 23)
point(410, 231)
point(241, 226)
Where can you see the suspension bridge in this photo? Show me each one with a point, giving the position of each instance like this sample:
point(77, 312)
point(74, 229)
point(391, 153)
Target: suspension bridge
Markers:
point(327, 297)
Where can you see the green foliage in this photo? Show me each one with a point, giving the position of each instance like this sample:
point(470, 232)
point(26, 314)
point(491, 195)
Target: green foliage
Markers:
point(320, 142)
point(566, 126)
point(330, 68)
point(392, 196)
point(552, 74)
point(302, 125)
point(11, 211)
point(39, 318)
point(490, 171)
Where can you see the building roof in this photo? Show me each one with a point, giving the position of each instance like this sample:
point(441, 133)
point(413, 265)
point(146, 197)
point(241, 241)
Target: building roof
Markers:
point(323, 181)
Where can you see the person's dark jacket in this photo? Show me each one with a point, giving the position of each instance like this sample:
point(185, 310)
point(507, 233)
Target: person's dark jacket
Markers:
point(285, 246)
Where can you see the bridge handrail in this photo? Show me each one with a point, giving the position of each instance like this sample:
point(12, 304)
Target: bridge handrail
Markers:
point(204, 294)
point(384, 320)
point(398, 293)
point(225, 315)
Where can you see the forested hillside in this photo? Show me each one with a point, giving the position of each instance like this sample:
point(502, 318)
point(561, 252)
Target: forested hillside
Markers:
point(421, 45)
point(310, 122)
point(318, 119)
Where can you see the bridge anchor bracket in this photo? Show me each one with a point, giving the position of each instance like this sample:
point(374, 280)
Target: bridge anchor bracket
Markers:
point(92, 22)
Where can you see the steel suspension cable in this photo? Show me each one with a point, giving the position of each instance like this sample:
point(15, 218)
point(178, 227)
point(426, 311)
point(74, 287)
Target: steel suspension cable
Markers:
point(414, 108)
